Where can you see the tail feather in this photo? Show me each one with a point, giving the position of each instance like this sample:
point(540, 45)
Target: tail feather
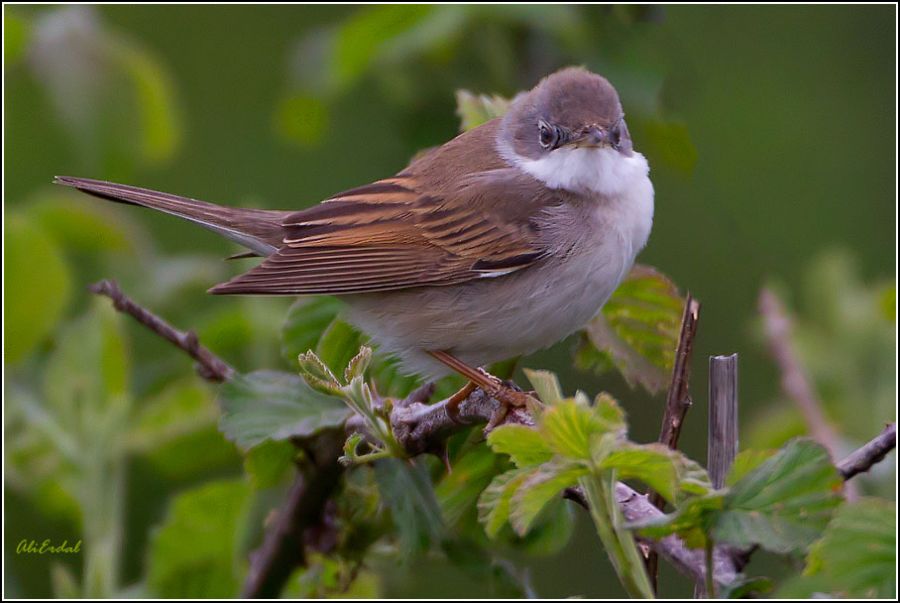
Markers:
point(259, 230)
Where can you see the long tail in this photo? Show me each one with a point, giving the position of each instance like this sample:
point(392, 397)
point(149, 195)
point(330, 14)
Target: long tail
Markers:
point(259, 230)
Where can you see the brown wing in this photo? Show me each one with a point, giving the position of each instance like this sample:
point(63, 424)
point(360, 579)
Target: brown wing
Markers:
point(393, 234)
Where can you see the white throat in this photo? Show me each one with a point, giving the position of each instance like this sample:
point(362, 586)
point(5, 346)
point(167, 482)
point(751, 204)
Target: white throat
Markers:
point(583, 169)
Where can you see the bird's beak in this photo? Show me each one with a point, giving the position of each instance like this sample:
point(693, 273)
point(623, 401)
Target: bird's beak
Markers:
point(593, 136)
point(600, 137)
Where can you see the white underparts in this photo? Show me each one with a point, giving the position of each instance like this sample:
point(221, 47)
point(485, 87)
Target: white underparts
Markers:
point(584, 169)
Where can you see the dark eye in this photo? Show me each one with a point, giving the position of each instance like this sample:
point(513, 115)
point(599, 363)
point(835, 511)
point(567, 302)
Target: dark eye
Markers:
point(549, 136)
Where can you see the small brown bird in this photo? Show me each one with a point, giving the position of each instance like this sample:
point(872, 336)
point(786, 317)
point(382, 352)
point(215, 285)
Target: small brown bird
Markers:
point(499, 243)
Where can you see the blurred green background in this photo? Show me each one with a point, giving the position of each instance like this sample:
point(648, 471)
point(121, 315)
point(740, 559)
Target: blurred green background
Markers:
point(770, 133)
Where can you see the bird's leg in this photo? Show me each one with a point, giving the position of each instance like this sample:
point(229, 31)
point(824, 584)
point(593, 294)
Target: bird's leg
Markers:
point(456, 399)
point(491, 385)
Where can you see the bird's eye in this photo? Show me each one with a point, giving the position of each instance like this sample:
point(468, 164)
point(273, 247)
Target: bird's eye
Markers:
point(548, 135)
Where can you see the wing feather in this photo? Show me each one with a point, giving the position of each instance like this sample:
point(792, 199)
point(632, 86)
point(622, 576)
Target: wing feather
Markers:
point(393, 234)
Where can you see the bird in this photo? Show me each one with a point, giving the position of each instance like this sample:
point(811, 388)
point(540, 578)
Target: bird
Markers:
point(496, 244)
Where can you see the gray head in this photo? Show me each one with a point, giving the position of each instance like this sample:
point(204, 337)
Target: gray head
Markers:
point(568, 109)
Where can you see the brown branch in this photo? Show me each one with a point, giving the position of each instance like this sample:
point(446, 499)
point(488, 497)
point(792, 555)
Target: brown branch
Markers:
point(678, 398)
point(678, 402)
point(420, 427)
point(302, 513)
point(209, 366)
point(862, 459)
point(283, 548)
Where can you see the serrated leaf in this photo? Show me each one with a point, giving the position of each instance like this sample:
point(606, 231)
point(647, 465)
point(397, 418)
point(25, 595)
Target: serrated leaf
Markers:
point(570, 428)
point(543, 484)
point(546, 385)
point(493, 504)
point(357, 365)
point(306, 320)
point(317, 374)
point(476, 109)
point(784, 504)
point(856, 556)
point(192, 553)
point(406, 489)
point(637, 330)
point(524, 445)
point(275, 405)
point(659, 467)
point(270, 463)
point(691, 521)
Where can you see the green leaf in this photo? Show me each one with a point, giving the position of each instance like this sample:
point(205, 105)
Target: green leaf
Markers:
point(159, 121)
point(38, 303)
point(459, 489)
point(542, 485)
point(784, 504)
point(546, 385)
point(570, 428)
point(317, 375)
point(551, 531)
point(357, 365)
point(476, 109)
point(856, 556)
point(666, 471)
point(270, 463)
point(523, 444)
point(338, 345)
point(275, 405)
point(745, 462)
point(637, 330)
point(406, 489)
point(493, 504)
point(192, 553)
point(691, 521)
point(80, 223)
point(306, 320)
point(368, 34)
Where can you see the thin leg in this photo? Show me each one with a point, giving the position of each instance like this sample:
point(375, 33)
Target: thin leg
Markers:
point(457, 398)
point(493, 386)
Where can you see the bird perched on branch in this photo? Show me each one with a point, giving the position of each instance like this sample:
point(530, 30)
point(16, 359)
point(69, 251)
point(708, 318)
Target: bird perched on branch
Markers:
point(498, 243)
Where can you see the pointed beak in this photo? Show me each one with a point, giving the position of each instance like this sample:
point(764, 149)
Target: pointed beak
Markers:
point(598, 137)
point(593, 136)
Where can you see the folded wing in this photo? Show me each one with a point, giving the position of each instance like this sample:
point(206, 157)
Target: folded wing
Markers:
point(396, 233)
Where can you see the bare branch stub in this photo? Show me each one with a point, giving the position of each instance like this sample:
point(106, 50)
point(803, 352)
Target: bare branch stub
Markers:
point(678, 402)
point(209, 366)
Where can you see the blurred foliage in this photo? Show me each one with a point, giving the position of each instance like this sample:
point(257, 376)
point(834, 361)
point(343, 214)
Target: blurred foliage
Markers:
point(111, 439)
point(856, 556)
point(846, 342)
